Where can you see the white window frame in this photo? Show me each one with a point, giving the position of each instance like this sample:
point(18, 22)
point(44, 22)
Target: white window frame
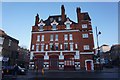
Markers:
point(56, 37)
point(76, 46)
point(38, 38)
point(46, 46)
point(42, 38)
point(64, 46)
point(67, 25)
point(56, 45)
point(42, 47)
point(86, 47)
point(84, 26)
point(71, 47)
point(51, 44)
point(51, 37)
point(37, 47)
point(70, 36)
point(85, 35)
point(66, 37)
point(33, 46)
point(54, 28)
point(60, 46)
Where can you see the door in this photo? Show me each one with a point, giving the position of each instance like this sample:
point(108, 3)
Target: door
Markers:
point(88, 65)
point(54, 62)
point(69, 62)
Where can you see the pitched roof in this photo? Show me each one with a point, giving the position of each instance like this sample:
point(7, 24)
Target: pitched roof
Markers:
point(86, 16)
point(2, 33)
point(57, 18)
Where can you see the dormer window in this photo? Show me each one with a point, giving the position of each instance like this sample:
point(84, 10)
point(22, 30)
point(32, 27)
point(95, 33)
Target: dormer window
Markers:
point(59, 19)
point(41, 24)
point(68, 26)
point(54, 25)
point(68, 23)
point(41, 27)
point(51, 19)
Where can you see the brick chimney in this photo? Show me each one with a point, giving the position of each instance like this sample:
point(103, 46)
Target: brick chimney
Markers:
point(36, 20)
point(78, 10)
point(63, 12)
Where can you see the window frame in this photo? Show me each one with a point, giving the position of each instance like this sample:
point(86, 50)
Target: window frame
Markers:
point(84, 26)
point(86, 47)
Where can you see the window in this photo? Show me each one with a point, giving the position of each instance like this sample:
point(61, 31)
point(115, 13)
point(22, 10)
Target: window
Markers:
point(66, 46)
point(70, 36)
point(71, 47)
point(51, 37)
point(76, 46)
point(42, 47)
point(59, 19)
point(33, 47)
point(51, 19)
point(56, 37)
point(51, 46)
point(41, 27)
point(67, 25)
point(56, 46)
point(42, 38)
point(54, 26)
point(86, 47)
point(84, 25)
point(60, 46)
point(46, 47)
point(37, 47)
point(10, 41)
point(38, 38)
point(65, 37)
point(85, 35)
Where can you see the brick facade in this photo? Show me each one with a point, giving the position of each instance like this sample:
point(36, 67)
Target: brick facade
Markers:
point(62, 43)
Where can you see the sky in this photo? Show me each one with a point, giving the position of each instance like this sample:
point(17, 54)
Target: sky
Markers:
point(19, 17)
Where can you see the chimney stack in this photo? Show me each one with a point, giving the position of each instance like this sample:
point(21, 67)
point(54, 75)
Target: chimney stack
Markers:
point(78, 10)
point(36, 20)
point(63, 12)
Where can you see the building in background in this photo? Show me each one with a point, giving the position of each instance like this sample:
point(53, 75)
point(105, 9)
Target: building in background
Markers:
point(23, 57)
point(8, 47)
point(104, 54)
point(59, 43)
point(115, 54)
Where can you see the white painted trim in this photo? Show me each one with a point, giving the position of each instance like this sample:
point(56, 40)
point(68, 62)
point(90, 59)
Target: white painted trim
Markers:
point(46, 62)
point(92, 65)
point(56, 31)
point(54, 22)
point(53, 51)
point(41, 23)
point(68, 21)
point(77, 62)
point(61, 62)
point(86, 52)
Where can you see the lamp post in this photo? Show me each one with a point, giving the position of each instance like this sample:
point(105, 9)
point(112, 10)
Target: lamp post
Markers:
point(98, 51)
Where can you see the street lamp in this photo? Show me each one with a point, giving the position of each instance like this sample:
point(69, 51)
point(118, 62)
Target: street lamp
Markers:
point(98, 51)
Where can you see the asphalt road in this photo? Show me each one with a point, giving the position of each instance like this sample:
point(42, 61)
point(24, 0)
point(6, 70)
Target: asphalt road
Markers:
point(112, 74)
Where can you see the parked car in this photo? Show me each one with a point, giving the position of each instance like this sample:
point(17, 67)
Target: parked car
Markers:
point(108, 65)
point(21, 70)
point(7, 70)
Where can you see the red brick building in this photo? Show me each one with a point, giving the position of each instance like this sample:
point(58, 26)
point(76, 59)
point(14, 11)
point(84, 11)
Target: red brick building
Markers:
point(59, 43)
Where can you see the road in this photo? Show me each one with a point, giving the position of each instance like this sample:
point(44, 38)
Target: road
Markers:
point(67, 75)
